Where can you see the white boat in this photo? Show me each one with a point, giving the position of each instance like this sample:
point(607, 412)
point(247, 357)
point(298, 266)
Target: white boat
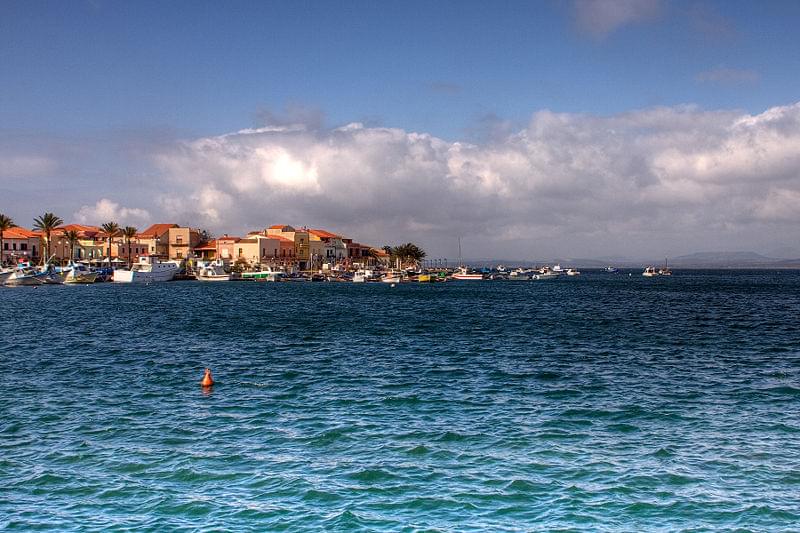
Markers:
point(25, 274)
point(265, 274)
point(665, 271)
point(5, 273)
point(546, 273)
point(148, 270)
point(78, 273)
point(392, 277)
point(573, 272)
point(611, 270)
point(649, 272)
point(465, 275)
point(519, 275)
point(557, 268)
point(212, 271)
point(360, 277)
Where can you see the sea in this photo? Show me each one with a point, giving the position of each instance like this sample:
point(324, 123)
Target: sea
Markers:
point(604, 402)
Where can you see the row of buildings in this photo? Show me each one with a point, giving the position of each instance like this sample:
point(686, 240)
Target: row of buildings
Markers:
point(277, 246)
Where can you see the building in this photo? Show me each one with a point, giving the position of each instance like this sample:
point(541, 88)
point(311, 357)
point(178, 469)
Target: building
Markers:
point(182, 241)
point(156, 239)
point(20, 244)
point(302, 248)
point(334, 250)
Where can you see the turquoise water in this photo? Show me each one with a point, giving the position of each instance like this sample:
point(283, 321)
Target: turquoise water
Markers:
point(600, 403)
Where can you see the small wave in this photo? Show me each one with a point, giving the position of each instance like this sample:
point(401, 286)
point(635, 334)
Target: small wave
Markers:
point(372, 475)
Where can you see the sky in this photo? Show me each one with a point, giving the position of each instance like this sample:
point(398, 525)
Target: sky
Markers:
point(585, 128)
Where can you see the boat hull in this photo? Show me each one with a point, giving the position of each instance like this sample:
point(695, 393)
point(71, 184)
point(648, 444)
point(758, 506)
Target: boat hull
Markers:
point(221, 277)
point(468, 277)
point(135, 276)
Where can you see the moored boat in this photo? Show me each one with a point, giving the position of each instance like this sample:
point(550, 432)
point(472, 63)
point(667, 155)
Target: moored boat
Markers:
point(573, 272)
point(465, 275)
point(212, 271)
point(148, 270)
point(76, 273)
point(649, 272)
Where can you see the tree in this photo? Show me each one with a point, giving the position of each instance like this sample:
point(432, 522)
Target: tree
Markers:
point(72, 237)
point(46, 224)
point(129, 233)
point(409, 253)
point(5, 224)
point(111, 229)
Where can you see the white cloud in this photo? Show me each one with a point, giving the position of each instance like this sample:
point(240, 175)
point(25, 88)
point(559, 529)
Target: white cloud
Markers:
point(106, 210)
point(576, 179)
point(598, 18)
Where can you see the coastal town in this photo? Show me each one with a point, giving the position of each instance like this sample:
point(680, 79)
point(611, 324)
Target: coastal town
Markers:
point(52, 252)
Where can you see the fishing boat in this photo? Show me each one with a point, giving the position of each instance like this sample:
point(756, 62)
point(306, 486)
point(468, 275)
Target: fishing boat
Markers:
point(265, 274)
point(425, 278)
point(392, 277)
point(557, 268)
point(611, 270)
point(148, 270)
point(360, 277)
point(665, 271)
point(25, 275)
point(5, 273)
point(464, 274)
point(519, 275)
point(77, 273)
point(546, 273)
point(573, 272)
point(212, 271)
point(649, 272)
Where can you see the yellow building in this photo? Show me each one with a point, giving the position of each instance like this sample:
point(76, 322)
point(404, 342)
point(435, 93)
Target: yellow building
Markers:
point(302, 247)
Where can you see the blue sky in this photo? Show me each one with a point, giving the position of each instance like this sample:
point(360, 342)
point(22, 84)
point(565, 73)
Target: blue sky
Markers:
point(440, 67)
point(572, 128)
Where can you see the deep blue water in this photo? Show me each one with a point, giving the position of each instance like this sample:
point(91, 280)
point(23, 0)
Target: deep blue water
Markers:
point(600, 403)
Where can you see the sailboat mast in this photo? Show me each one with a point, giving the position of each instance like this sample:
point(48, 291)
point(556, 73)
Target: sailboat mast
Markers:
point(460, 259)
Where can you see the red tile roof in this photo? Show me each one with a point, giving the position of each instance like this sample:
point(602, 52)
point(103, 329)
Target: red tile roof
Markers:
point(156, 230)
point(322, 234)
point(19, 233)
point(210, 245)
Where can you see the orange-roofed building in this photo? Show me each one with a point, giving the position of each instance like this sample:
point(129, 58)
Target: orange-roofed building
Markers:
point(302, 248)
point(20, 244)
point(332, 249)
point(156, 239)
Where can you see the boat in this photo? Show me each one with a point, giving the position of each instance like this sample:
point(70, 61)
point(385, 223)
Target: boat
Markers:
point(148, 270)
point(78, 273)
point(425, 278)
point(392, 277)
point(546, 273)
point(649, 272)
point(519, 275)
point(212, 271)
point(5, 273)
point(573, 272)
point(360, 277)
point(611, 270)
point(558, 268)
point(25, 275)
point(665, 271)
point(265, 274)
point(464, 274)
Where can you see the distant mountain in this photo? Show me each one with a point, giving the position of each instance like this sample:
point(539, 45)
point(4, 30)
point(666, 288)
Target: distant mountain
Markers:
point(786, 252)
point(732, 259)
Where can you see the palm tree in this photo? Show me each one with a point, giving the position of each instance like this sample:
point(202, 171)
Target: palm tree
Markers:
point(5, 224)
point(111, 229)
point(72, 237)
point(129, 233)
point(409, 252)
point(46, 224)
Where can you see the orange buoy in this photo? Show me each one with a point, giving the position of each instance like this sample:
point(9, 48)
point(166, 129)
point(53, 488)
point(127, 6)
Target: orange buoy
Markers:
point(207, 380)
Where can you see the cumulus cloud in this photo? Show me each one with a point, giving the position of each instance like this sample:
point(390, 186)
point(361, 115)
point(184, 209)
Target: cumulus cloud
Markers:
point(599, 18)
point(648, 173)
point(105, 210)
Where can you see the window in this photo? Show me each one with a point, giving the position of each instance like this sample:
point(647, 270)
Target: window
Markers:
point(180, 255)
point(5, 246)
point(178, 239)
point(240, 252)
point(23, 246)
point(15, 246)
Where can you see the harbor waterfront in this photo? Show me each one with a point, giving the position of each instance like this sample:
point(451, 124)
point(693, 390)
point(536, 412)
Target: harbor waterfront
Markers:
point(602, 402)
